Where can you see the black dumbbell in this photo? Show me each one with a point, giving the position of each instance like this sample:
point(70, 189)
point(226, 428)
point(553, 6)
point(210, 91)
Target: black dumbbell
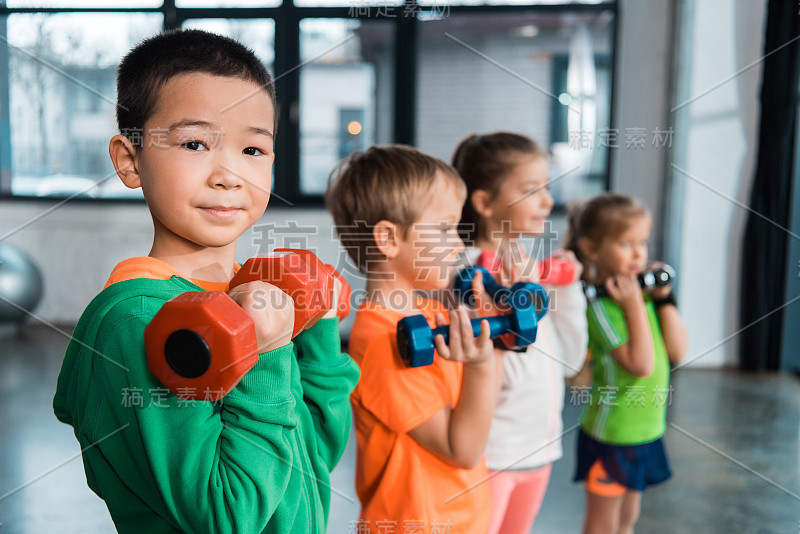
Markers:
point(660, 277)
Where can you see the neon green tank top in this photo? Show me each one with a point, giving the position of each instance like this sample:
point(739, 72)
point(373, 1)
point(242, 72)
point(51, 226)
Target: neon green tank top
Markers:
point(624, 409)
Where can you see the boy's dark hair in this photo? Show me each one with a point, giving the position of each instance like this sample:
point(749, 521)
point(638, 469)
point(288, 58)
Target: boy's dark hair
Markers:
point(484, 162)
point(389, 182)
point(145, 70)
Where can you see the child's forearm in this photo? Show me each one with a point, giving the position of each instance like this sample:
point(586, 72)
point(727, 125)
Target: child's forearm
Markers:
point(636, 356)
point(676, 337)
point(468, 430)
point(498, 373)
point(328, 377)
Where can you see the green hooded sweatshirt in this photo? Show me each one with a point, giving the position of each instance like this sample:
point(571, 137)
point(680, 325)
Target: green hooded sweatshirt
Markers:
point(257, 461)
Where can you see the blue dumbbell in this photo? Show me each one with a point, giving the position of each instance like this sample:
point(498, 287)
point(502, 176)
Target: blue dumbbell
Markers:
point(415, 336)
point(462, 287)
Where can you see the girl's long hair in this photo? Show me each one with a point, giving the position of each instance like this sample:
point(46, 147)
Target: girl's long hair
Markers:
point(484, 162)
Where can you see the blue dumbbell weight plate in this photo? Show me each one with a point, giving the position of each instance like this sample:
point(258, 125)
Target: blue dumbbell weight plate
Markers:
point(414, 341)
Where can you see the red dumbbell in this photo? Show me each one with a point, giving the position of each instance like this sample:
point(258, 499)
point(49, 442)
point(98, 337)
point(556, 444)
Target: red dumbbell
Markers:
point(200, 345)
point(345, 294)
point(556, 271)
point(552, 271)
point(299, 274)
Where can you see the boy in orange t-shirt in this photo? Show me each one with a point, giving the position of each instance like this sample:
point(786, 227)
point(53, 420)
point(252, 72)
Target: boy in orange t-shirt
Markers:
point(421, 432)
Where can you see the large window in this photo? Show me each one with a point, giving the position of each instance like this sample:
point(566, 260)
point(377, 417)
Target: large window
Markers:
point(480, 74)
point(349, 74)
point(257, 34)
point(347, 70)
point(61, 81)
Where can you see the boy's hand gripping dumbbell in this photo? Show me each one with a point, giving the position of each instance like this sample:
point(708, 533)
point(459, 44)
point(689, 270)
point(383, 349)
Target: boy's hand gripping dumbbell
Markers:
point(301, 275)
point(200, 344)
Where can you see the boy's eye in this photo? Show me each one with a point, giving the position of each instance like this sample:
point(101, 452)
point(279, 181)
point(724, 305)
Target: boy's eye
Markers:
point(194, 145)
point(252, 151)
point(539, 188)
point(447, 227)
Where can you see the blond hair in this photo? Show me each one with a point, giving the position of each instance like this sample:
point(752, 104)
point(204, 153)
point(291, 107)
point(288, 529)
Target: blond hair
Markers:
point(388, 182)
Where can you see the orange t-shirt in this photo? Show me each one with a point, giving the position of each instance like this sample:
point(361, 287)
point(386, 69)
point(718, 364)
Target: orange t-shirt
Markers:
point(402, 486)
point(147, 267)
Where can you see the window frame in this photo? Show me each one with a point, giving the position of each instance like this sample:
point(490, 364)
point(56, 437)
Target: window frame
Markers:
point(559, 130)
point(287, 17)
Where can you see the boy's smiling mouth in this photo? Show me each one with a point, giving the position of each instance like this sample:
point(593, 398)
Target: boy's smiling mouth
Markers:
point(224, 212)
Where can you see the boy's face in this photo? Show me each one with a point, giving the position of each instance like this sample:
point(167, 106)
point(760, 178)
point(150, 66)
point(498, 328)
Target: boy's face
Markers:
point(431, 247)
point(206, 161)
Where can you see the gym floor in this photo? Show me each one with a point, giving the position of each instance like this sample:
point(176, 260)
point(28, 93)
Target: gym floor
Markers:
point(733, 441)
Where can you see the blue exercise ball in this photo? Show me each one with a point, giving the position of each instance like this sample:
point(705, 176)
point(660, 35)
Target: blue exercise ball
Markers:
point(21, 284)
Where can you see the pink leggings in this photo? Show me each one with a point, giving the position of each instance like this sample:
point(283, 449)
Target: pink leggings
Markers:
point(516, 499)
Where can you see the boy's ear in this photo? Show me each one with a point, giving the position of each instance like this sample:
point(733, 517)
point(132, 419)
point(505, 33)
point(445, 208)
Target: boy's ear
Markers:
point(386, 235)
point(480, 201)
point(587, 248)
point(123, 156)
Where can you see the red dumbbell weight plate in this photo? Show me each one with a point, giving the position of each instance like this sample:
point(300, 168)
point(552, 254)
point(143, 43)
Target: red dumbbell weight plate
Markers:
point(200, 345)
point(556, 271)
point(345, 295)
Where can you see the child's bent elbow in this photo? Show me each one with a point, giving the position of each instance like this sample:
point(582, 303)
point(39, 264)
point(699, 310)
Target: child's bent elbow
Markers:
point(465, 461)
point(677, 356)
point(641, 370)
point(465, 464)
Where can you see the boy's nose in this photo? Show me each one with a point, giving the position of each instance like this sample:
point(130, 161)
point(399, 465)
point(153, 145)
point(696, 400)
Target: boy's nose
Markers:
point(548, 199)
point(225, 177)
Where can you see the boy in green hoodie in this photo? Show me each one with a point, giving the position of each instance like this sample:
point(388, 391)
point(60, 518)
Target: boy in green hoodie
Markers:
point(196, 113)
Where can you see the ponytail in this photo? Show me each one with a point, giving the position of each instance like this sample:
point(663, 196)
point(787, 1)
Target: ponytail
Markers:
point(484, 162)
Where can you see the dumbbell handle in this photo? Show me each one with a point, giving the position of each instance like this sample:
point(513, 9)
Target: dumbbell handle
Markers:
point(498, 325)
point(415, 338)
point(660, 277)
